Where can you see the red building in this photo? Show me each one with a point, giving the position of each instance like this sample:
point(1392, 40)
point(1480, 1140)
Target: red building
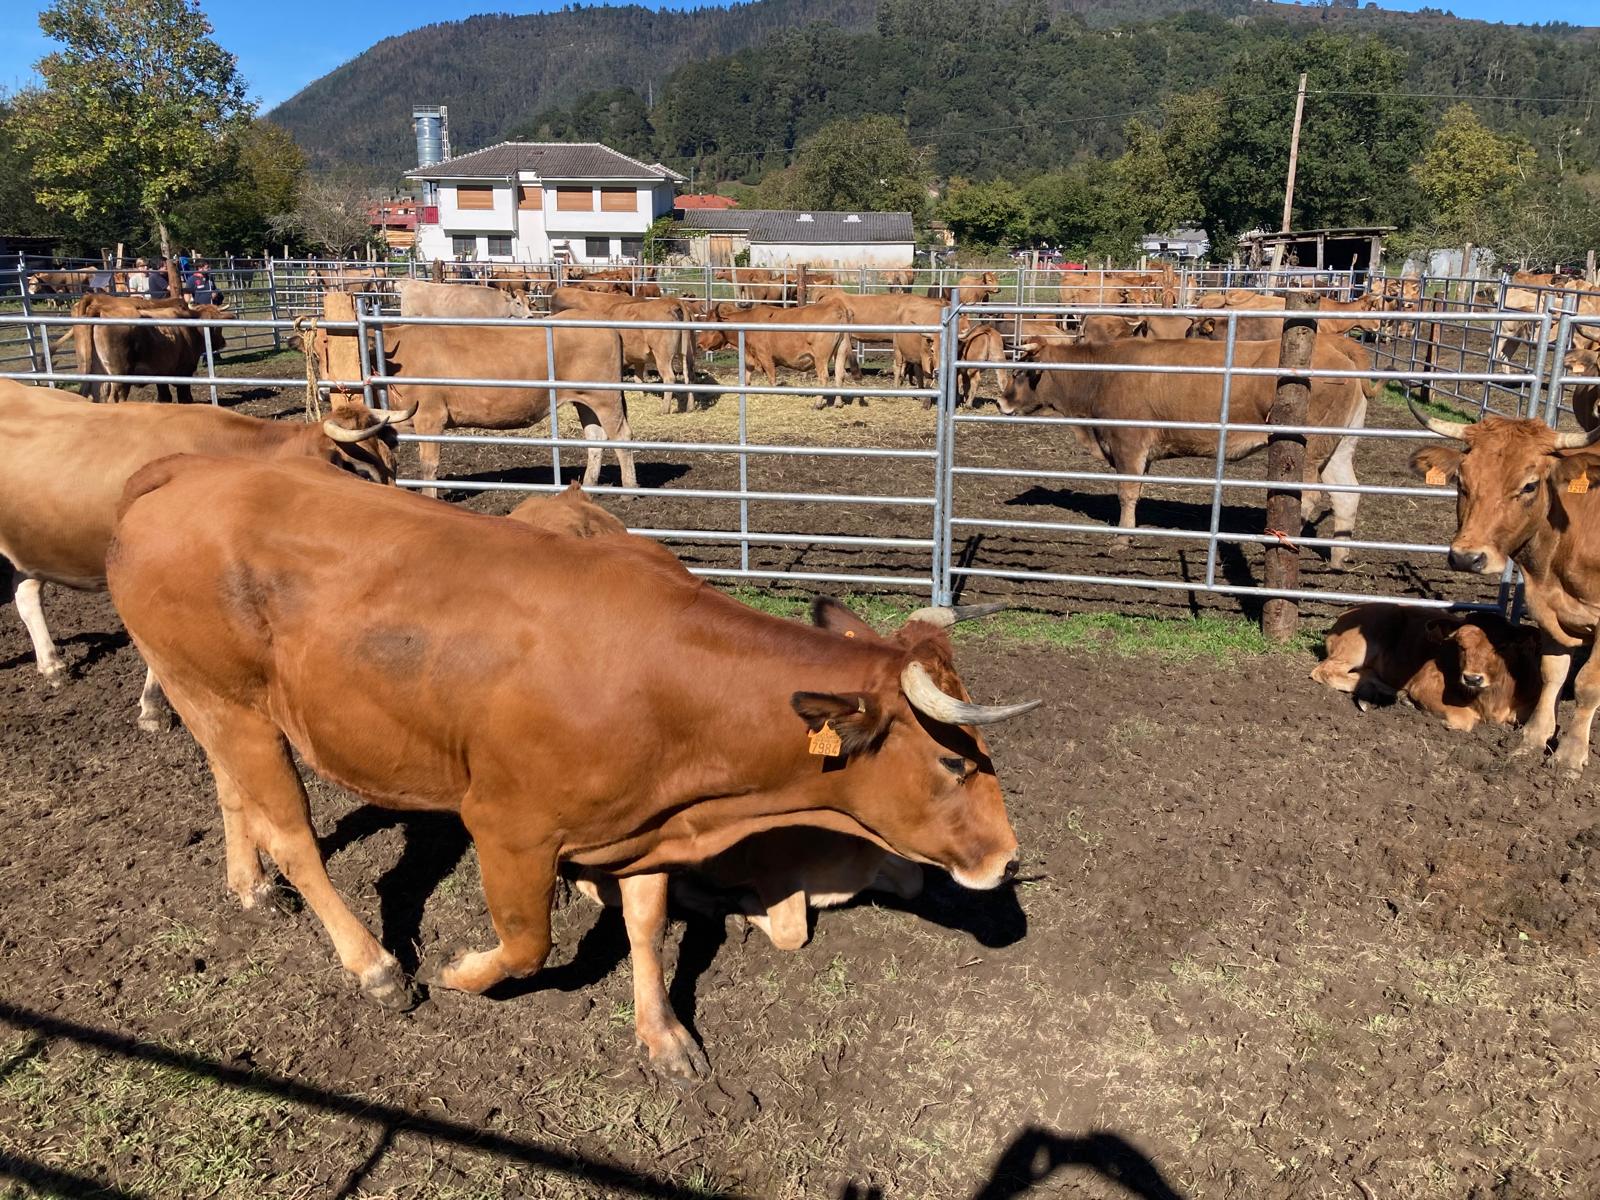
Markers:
point(395, 221)
point(705, 200)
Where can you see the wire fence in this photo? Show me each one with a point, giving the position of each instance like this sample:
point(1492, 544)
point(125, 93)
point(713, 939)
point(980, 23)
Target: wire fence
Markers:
point(938, 501)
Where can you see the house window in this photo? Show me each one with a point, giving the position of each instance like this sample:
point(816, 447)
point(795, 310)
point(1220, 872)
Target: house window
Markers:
point(572, 199)
point(633, 248)
point(619, 200)
point(464, 247)
point(596, 248)
point(530, 195)
point(474, 198)
point(499, 247)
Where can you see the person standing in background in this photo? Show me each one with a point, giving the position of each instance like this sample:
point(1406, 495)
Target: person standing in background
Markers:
point(139, 279)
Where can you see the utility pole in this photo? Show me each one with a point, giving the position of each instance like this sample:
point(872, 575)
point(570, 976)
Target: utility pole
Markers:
point(1294, 159)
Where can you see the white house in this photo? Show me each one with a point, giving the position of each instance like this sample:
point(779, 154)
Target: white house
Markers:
point(781, 238)
point(540, 202)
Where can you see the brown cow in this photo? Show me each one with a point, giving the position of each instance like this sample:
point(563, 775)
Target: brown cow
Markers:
point(59, 283)
point(1580, 366)
point(779, 875)
point(419, 298)
point(146, 345)
point(1108, 327)
point(1523, 492)
point(1264, 328)
point(1463, 668)
point(1130, 395)
point(899, 281)
point(450, 685)
point(507, 352)
point(887, 309)
point(660, 350)
point(767, 350)
point(63, 463)
point(969, 289)
point(367, 279)
point(1536, 294)
point(760, 285)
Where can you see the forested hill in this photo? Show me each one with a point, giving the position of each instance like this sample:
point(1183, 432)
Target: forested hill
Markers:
point(993, 86)
point(496, 70)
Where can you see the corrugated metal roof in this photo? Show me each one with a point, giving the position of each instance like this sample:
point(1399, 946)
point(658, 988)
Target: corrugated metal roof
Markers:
point(550, 160)
point(783, 225)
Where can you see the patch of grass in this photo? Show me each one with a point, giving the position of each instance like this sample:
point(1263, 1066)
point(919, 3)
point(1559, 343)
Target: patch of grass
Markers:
point(1395, 396)
point(1219, 638)
point(1216, 637)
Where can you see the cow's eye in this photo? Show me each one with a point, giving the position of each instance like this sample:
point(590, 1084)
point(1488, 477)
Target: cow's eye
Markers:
point(1530, 487)
point(956, 766)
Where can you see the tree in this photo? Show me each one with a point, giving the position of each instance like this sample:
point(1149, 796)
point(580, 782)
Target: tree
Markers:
point(264, 177)
point(136, 109)
point(864, 163)
point(330, 215)
point(985, 214)
point(1467, 170)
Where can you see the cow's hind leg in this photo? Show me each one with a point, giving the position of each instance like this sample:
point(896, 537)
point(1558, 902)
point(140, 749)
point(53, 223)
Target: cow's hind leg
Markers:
point(45, 654)
point(153, 712)
point(607, 420)
point(1572, 753)
point(1128, 493)
point(264, 804)
point(672, 1047)
point(519, 880)
point(1341, 469)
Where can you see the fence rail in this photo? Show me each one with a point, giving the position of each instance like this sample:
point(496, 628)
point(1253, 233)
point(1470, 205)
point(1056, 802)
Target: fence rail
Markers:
point(941, 494)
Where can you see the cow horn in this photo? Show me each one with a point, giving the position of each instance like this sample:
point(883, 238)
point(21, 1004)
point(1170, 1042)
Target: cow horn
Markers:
point(928, 699)
point(1449, 429)
point(384, 419)
point(1577, 441)
point(945, 615)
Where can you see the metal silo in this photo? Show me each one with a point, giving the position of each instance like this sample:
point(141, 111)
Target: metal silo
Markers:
point(431, 122)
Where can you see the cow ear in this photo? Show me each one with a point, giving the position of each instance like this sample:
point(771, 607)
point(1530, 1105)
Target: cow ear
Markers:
point(856, 717)
point(827, 613)
point(1440, 630)
point(1432, 461)
point(1569, 467)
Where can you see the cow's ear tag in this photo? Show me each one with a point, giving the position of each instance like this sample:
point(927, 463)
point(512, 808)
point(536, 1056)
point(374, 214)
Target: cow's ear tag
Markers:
point(1436, 477)
point(825, 742)
point(1580, 485)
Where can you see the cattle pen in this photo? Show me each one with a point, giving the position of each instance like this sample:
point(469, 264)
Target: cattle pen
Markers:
point(869, 493)
point(1261, 946)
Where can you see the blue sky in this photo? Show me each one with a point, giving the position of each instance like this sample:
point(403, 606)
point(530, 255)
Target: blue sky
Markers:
point(284, 44)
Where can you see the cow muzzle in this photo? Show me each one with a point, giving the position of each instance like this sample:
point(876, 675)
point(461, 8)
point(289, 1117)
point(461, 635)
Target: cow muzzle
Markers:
point(1474, 683)
point(1475, 561)
point(995, 870)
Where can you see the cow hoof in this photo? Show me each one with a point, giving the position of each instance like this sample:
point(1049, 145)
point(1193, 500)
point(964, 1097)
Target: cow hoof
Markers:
point(385, 985)
point(679, 1058)
point(55, 674)
point(1573, 761)
point(266, 901)
point(155, 722)
point(472, 971)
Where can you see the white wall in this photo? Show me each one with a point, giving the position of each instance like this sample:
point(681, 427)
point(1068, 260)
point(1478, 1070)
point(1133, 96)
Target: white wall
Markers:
point(499, 219)
point(535, 230)
point(822, 255)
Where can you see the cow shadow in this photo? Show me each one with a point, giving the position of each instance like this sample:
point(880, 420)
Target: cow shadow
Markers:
point(993, 918)
point(432, 846)
point(99, 647)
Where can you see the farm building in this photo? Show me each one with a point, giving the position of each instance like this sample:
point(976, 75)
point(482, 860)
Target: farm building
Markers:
point(540, 202)
point(782, 238)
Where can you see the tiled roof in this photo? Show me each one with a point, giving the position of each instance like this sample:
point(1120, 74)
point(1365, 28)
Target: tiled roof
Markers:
point(782, 225)
point(550, 160)
point(705, 200)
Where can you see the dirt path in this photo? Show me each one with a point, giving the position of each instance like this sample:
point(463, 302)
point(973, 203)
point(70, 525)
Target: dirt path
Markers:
point(1264, 947)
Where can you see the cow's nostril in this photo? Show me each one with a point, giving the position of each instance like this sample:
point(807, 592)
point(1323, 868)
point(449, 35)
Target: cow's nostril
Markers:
point(1468, 560)
point(1011, 869)
point(1474, 681)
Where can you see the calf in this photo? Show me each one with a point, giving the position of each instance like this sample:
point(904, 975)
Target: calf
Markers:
point(1464, 668)
point(145, 345)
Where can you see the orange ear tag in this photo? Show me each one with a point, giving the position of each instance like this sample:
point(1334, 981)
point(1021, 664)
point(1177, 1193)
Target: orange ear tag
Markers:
point(1580, 485)
point(825, 742)
point(1436, 477)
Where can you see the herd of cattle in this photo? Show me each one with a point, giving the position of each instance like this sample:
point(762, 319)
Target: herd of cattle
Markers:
point(783, 765)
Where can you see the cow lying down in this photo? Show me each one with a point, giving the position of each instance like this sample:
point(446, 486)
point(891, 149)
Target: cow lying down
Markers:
point(775, 878)
point(1465, 668)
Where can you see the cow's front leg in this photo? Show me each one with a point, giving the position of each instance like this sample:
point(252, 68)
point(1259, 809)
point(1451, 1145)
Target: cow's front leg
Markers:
point(1572, 753)
point(153, 712)
point(519, 880)
point(672, 1047)
point(1128, 492)
point(1554, 663)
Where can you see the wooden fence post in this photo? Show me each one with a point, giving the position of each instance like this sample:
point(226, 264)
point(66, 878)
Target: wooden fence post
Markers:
point(802, 285)
point(436, 271)
point(1286, 458)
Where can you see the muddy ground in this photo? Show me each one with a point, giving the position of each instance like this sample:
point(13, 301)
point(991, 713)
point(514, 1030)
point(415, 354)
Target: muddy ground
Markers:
point(1262, 946)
